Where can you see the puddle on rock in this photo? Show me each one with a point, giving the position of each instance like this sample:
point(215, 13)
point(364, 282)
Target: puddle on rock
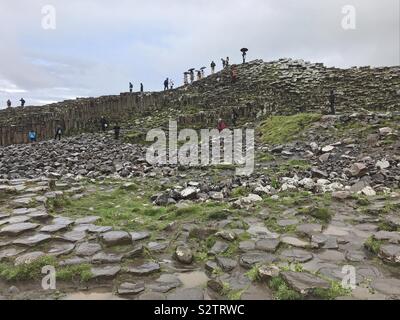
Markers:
point(193, 279)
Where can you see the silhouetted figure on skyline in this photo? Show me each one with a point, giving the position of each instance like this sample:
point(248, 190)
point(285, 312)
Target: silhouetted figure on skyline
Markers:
point(141, 88)
point(130, 87)
point(22, 102)
point(166, 82)
point(213, 65)
point(9, 103)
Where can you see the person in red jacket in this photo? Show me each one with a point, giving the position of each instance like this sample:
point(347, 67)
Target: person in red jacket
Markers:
point(221, 125)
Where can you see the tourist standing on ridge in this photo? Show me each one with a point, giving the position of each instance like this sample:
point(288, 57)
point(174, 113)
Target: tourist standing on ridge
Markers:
point(171, 84)
point(244, 57)
point(185, 78)
point(117, 130)
point(130, 87)
point(32, 136)
point(9, 103)
point(141, 88)
point(104, 123)
point(227, 62)
point(198, 75)
point(332, 99)
point(22, 102)
point(213, 67)
point(223, 63)
point(58, 133)
point(166, 82)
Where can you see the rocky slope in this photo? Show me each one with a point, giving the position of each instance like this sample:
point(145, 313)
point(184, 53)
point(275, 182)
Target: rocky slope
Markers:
point(324, 196)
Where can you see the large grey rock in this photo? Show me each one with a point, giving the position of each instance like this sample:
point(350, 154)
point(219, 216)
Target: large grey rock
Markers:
point(15, 229)
point(114, 238)
point(248, 260)
point(105, 272)
point(143, 269)
point(183, 255)
point(303, 282)
point(33, 240)
point(87, 249)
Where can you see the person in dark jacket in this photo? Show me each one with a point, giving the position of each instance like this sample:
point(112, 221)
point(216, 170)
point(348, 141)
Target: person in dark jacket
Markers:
point(22, 102)
point(141, 88)
point(166, 83)
point(58, 133)
point(130, 87)
point(9, 103)
point(213, 65)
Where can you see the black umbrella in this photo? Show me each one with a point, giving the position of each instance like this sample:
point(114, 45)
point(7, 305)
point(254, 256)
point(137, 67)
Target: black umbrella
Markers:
point(244, 50)
point(202, 68)
point(191, 70)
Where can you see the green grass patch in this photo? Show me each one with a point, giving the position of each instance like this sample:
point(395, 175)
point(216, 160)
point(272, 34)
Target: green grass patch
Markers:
point(373, 245)
point(282, 291)
point(33, 271)
point(283, 129)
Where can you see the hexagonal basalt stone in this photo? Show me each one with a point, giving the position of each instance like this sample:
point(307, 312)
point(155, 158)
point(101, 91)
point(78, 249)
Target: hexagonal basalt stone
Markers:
point(304, 283)
point(33, 240)
point(87, 249)
point(144, 269)
point(128, 288)
point(60, 248)
point(53, 228)
point(248, 260)
point(296, 255)
point(141, 235)
point(103, 257)
point(114, 238)
point(105, 272)
point(219, 247)
point(28, 258)
point(10, 252)
point(18, 228)
point(268, 245)
point(73, 236)
point(226, 264)
point(390, 253)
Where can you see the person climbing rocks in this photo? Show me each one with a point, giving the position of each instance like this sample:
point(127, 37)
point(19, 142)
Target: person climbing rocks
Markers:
point(332, 99)
point(213, 65)
point(32, 136)
point(9, 103)
point(227, 62)
point(117, 130)
point(103, 123)
point(171, 84)
point(166, 82)
point(22, 102)
point(58, 133)
point(130, 87)
point(221, 125)
point(234, 74)
point(223, 63)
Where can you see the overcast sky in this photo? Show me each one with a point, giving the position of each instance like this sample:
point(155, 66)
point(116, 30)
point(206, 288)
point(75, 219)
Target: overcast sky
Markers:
point(98, 46)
